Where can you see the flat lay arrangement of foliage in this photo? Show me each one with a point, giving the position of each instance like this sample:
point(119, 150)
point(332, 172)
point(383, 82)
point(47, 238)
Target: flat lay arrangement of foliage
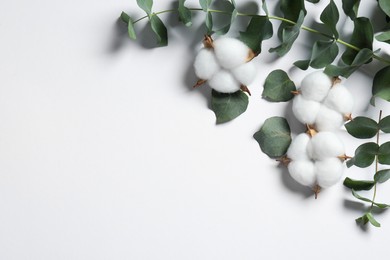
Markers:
point(321, 102)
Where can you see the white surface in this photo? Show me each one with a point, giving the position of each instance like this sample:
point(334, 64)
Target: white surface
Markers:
point(107, 153)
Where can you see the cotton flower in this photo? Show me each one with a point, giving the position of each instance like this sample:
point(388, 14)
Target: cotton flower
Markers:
point(325, 145)
point(328, 172)
point(316, 86)
point(340, 99)
point(298, 148)
point(303, 172)
point(305, 110)
point(223, 81)
point(230, 52)
point(245, 73)
point(206, 64)
point(328, 119)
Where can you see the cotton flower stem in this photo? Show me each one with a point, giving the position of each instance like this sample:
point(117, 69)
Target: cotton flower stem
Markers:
point(208, 42)
point(317, 190)
point(199, 83)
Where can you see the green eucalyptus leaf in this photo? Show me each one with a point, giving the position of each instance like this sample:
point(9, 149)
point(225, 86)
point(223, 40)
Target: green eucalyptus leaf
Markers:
point(302, 64)
point(159, 29)
point(233, 16)
point(365, 155)
point(330, 17)
point(184, 14)
point(228, 106)
point(363, 220)
point(363, 56)
point(384, 124)
point(323, 53)
point(381, 83)
point(356, 195)
point(382, 176)
point(382, 205)
point(358, 184)
point(278, 87)
point(351, 8)
point(362, 37)
point(372, 220)
point(384, 154)
point(313, 1)
point(289, 35)
point(145, 5)
point(259, 29)
point(385, 6)
point(130, 25)
point(264, 7)
point(362, 127)
point(274, 137)
point(205, 4)
point(292, 9)
point(383, 37)
point(209, 22)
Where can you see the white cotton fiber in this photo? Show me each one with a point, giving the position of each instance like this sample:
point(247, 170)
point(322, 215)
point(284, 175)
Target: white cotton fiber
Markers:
point(316, 86)
point(325, 145)
point(302, 172)
point(340, 99)
point(328, 171)
point(224, 82)
point(230, 52)
point(328, 119)
point(245, 73)
point(305, 110)
point(205, 64)
point(298, 148)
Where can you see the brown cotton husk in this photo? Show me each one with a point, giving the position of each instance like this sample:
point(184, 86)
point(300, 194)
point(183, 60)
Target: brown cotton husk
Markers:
point(208, 42)
point(284, 160)
point(317, 190)
point(199, 83)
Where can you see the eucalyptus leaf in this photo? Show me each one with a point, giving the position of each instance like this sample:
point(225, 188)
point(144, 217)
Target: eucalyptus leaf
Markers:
point(302, 64)
point(382, 176)
point(258, 29)
point(228, 106)
point(130, 25)
point(205, 4)
point(184, 14)
point(372, 220)
point(381, 83)
point(159, 29)
point(356, 195)
point(233, 15)
point(278, 87)
point(351, 8)
point(274, 137)
point(363, 220)
point(384, 124)
point(358, 184)
point(362, 127)
point(382, 205)
point(384, 154)
point(362, 37)
point(209, 22)
point(383, 37)
point(264, 7)
point(365, 155)
point(385, 6)
point(330, 17)
point(289, 35)
point(145, 5)
point(323, 53)
point(292, 9)
point(313, 1)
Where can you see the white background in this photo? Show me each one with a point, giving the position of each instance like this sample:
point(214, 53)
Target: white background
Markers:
point(107, 153)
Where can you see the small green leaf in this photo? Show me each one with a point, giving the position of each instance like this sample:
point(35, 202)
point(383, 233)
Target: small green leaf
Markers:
point(358, 184)
point(356, 195)
point(264, 7)
point(363, 220)
point(384, 124)
point(313, 1)
point(228, 106)
point(205, 4)
point(233, 15)
point(362, 37)
point(384, 153)
point(274, 137)
point(159, 29)
point(383, 37)
point(385, 6)
point(351, 7)
point(381, 83)
point(289, 35)
point(365, 155)
point(292, 9)
point(372, 220)
point(278, 87)
point(330, 17)
point(184, 14)
point(130, 25)
point(302, 64)
point(382, 176)
point(259, 29)
point(362, 127)
point(209, 22)
point(323, 53)
point(145, 5)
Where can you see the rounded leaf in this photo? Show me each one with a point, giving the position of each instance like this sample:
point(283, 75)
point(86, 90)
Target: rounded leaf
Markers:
point(228, 106)
point(382, 176)
point(384, 153)
point(365, 155)
point(362, 127)
point(278, 86)
point(384, 124)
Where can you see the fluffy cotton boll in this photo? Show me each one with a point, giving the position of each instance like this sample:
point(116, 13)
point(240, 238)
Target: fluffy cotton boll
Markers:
point(328, 119)
point(340, 99)
point(305, 110)
point(298, 148)
point(205, 64)
point(328, 171)
point(316, 86)
point(325, 145)
point(245, 73)
point(303, 172)
point(230, 52)
point(224, 82)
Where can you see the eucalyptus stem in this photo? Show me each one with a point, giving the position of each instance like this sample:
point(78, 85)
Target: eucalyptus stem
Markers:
point(376, 162)
point(272, 17)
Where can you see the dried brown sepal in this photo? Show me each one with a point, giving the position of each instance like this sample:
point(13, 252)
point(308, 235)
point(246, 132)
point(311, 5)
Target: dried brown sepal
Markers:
point(251, 56)
point(208, 42)
point(245, 89)
point(284, 160)
point(336, 80)
point(348, 117)
point(317, 190)
point(199, 83)
point(311, 130)
point(296, 92)
point(344, 157)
